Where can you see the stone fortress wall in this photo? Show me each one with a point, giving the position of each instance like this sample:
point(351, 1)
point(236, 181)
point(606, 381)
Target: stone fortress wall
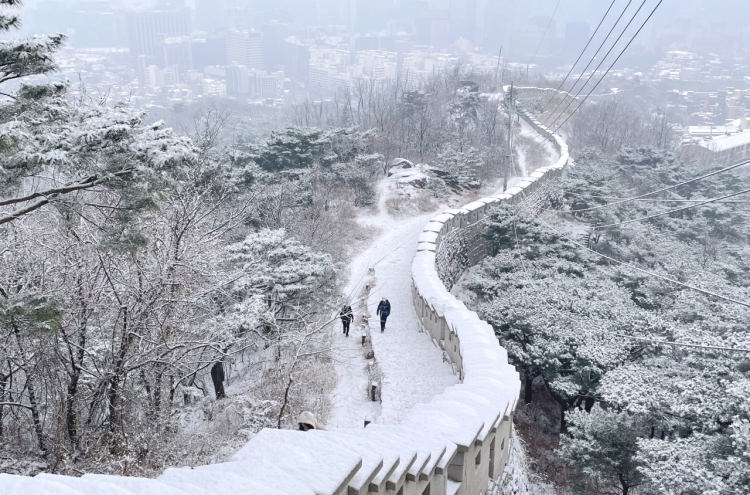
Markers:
point(456, 444)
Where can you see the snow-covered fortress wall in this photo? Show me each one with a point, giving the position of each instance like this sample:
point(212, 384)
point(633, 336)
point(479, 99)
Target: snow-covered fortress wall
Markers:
point(456, 444)
point(450, 243)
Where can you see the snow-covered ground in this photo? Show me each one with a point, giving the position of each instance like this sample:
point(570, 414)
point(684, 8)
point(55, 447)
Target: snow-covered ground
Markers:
point(412, 367)
point(528, 132)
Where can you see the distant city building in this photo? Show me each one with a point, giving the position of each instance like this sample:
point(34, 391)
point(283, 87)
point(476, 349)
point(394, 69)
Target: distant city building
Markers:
point(237, 80)
point(213, 87)
point(296, 59)
point(241, 81)
point(725, 150)
point(245, 48)
point(176, 51)
point(147, 29)
point(269, 85)
point(274, 34)
point(159, 78)
point(210, 50)
point(378, 64)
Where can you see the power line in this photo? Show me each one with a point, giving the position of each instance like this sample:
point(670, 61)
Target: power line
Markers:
point(580, 56)
point(515, 232)
point(680, 344)
point(650, 200)
point(638, 269)
point(610, 67)
point(583, 72)
point(543, 36)
point(664, 188)
point(671, 211)
point(605, 58)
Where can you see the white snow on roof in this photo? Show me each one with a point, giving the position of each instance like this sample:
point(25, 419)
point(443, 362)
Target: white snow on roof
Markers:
point(727, 142)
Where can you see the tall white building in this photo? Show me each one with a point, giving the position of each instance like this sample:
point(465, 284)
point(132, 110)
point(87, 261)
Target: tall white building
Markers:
point(245, 48)
point(158, 78)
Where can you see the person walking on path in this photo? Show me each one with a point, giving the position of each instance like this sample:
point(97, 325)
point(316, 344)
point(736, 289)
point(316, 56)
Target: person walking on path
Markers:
point(384, 309)
point(346, 316)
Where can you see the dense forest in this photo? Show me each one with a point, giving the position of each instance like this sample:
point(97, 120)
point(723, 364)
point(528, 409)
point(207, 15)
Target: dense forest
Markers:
point(632, 315)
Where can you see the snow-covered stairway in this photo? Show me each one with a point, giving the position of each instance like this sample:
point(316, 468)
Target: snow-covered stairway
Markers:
point(454, 444)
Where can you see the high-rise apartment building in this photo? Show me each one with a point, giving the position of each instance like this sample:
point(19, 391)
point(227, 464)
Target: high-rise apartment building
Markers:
point(245, 48)
point(147, 29)
point(176, 51)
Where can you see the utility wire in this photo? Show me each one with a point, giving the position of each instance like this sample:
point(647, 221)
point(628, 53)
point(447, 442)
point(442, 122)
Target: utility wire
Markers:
point(650, 200)
point(583, 72)
point(580, 56)
point(543, 36)
point(681, 344)
point(610, 68)
point(523, 265)
point(664, 188)
point(604, 59)
point(671, 211)
point(652, 274)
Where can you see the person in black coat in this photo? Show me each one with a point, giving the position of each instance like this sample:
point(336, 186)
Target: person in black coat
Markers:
point(384, 309)
point(346, 316)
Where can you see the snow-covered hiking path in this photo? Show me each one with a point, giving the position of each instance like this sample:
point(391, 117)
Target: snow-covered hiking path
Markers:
point(412, 366)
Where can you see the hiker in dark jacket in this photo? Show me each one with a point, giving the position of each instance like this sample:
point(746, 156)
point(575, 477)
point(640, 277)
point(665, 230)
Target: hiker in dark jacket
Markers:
point(384, 309)
point(346, 318)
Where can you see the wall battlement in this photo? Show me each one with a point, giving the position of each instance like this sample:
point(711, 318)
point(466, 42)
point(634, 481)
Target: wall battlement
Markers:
point(454, 445)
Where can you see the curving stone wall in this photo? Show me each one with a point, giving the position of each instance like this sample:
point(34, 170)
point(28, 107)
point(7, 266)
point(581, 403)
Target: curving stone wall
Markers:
point(456, 444)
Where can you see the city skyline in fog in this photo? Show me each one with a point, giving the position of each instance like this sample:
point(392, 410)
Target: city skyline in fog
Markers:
point(697, 25)
point(162, 52)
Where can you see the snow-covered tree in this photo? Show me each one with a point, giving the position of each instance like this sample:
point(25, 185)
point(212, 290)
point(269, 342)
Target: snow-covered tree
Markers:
point(459, 169)
point(604, 445)
point(666, 361)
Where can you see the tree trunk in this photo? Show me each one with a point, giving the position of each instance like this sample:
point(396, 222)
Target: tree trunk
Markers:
point(114, 393)
point(624, 484)
point(32, 396)
point(35, 417)
point(286, 400)
point(76, 363)
point(564, 406)
point(3, 383)
point(217, 376)
point(588, 404)
point(70, 413)
point(528, 389)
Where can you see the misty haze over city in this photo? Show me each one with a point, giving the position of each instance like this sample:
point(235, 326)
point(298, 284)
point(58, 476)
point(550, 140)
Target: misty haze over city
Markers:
point(348, 247)
point(257, 51)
